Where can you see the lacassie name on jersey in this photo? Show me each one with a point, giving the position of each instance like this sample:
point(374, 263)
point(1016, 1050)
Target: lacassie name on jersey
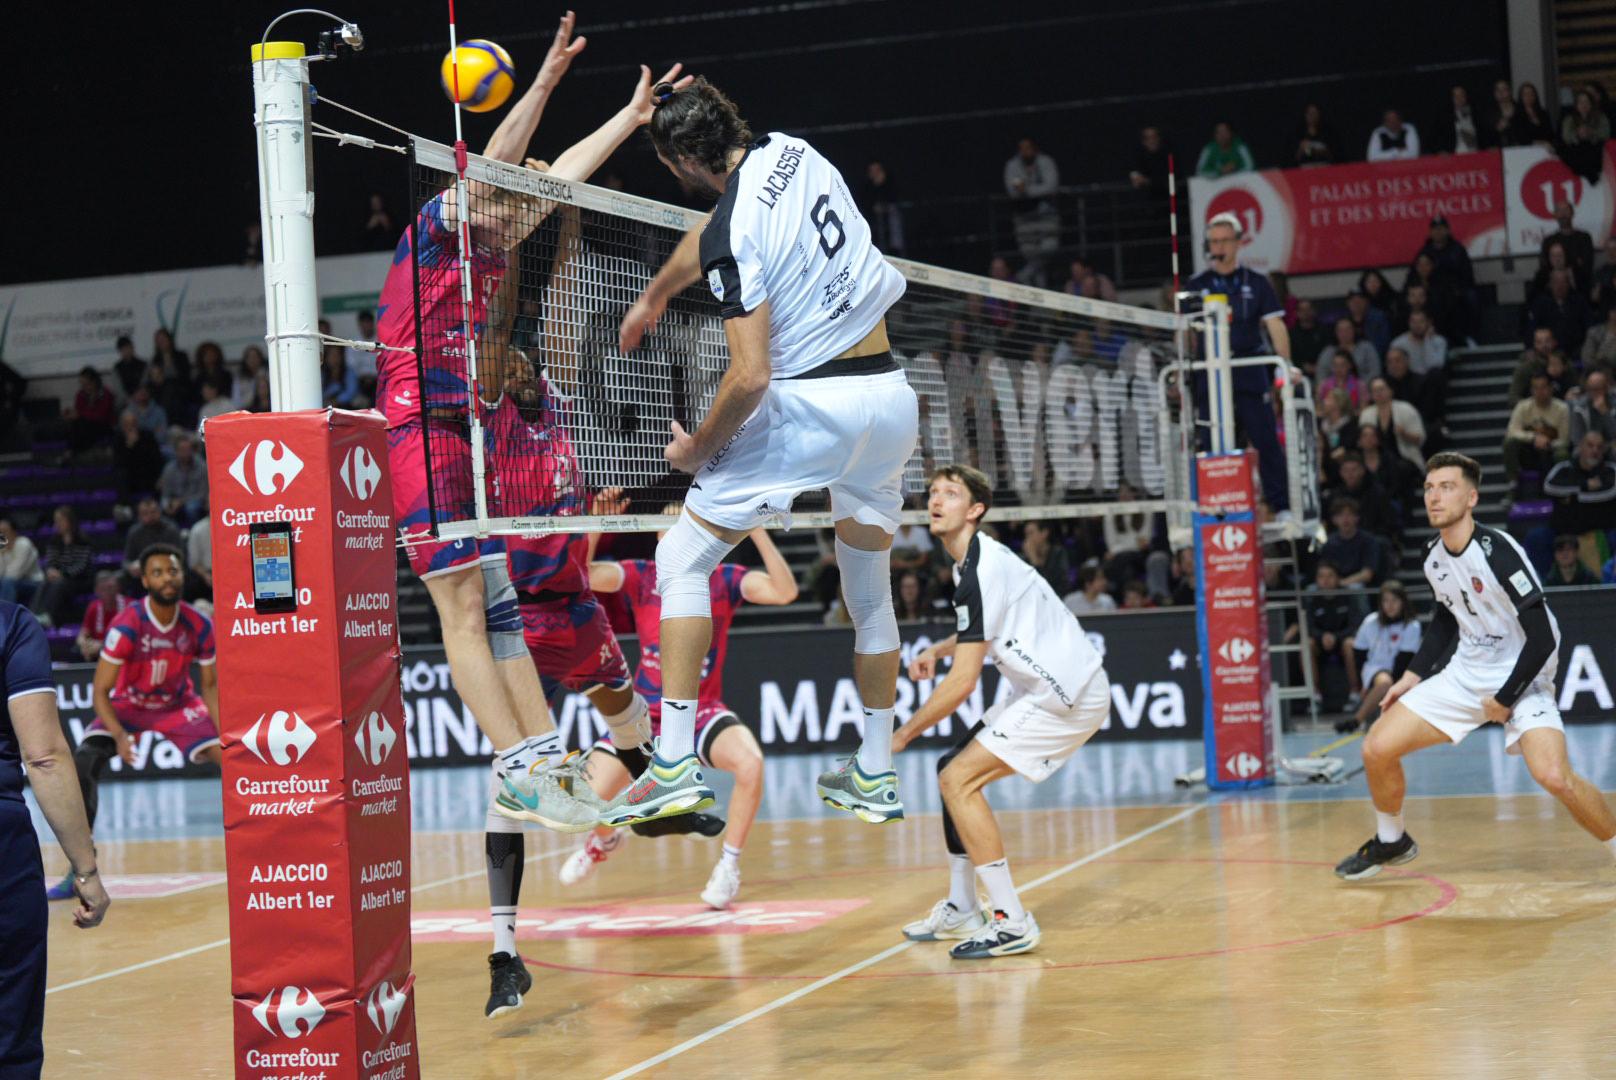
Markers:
point(779, 178)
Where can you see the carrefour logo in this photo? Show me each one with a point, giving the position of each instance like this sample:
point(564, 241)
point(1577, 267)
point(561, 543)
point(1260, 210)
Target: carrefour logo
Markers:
point(375, 738)
point(1237, 650)
point(271, 472)
point(1229, 537)
point(282, 737)
point(383, 1005)
point(292, 1011)
point(360, 473)
point(1244, 765)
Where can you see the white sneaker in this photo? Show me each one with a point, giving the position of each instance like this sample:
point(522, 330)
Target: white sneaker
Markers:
point(946, 923)
point(1001, 937)
point(722, 887)
point(538, 795)
point(581, 863)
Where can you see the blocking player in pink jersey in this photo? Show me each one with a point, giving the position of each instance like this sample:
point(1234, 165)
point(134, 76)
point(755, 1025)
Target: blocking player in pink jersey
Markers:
point(143, 681)
point(468, 581)
point(722, 741)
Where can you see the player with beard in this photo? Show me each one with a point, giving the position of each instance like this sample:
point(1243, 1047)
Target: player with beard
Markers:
point(143, 682)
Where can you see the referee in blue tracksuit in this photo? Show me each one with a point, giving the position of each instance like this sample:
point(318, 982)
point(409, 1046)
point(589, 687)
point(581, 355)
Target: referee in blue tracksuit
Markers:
point(31, 731)
point(1257, 328)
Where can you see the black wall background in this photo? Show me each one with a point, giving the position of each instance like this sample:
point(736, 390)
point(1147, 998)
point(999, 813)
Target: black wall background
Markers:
point(130, 142)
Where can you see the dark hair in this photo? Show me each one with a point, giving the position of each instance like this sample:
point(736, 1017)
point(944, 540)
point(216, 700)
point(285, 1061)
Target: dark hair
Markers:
point(151, 551)
point(1396, 588)
point(1137, 586)
point(975, 481)
point(90, 373)
point(1086, 576)
point(1327, 564)
point(1448, 459)
point(1563, 540)
point(1351, 455)
point(1345, 502)
point(72, 516)
point(123, 339)
point(699, 123)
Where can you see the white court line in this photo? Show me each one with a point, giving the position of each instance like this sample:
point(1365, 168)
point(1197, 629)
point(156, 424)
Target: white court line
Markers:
point(194, 949)
point(800, 992)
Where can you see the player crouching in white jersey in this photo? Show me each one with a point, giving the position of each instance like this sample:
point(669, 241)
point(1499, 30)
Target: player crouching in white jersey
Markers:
point(1003, 606)
point(812, 400)
point(1490, 601)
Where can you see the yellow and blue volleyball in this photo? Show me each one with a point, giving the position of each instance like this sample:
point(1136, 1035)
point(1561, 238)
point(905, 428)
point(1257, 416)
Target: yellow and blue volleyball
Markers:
point(486, 75)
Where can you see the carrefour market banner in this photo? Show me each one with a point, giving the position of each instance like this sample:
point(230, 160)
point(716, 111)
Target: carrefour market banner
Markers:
point(1342, 217)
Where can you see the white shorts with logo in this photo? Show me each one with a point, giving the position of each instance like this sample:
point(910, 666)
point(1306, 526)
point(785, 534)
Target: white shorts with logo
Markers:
point(1450, 701)
point(1031, 738)
point(853, 434)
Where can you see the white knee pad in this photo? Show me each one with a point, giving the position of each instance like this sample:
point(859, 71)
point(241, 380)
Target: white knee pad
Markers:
point(867, 594)
point(686, 557)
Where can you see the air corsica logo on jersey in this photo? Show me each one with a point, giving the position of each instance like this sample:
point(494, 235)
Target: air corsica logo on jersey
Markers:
point(1243, 765)
point(1237, 650)
point(715, 282)
point(383, 1005)
point(375, 738)
point(282, 737)
point(271, 472)
point(292, 1011)
point(1228, 537)
point(360, 473)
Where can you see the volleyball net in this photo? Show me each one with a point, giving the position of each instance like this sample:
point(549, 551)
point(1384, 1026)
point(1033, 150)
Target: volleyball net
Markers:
point(1071, 406)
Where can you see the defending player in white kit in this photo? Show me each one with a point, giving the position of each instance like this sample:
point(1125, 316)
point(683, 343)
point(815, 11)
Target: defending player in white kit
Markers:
point(1003, 608)
point(812, 399)
point(1491, 611)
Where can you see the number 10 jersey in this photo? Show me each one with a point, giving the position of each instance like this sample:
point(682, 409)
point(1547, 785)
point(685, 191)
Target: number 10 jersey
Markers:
point(786, 230)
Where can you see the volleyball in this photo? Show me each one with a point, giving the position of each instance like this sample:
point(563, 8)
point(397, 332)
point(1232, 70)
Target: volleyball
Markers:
point(486, 75)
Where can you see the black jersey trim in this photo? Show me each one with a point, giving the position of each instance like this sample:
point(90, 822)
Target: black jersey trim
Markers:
point(968, 595)
point(1515, 577)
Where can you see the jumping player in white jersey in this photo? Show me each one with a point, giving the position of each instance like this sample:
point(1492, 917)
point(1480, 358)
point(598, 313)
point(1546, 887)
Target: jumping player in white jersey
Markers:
point(1490, 602)
point(812, 399)
point(1003, 608)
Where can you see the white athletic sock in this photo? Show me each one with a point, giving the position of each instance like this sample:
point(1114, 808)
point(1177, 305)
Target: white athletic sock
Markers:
point(547, 746)
point(515, 761)
point(1611, 843)
point(875, 753)
point(732, 857)
point(504, 920)
point(678, 738)
point(962, 883)
point(996, 876)
point(1389, 827)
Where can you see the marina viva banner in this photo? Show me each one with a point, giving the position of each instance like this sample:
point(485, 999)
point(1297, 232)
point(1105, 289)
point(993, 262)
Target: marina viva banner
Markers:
point(1343, 217)
point(53, 328)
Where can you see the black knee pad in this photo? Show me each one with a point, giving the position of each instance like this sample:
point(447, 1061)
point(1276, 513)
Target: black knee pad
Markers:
point(90, 760)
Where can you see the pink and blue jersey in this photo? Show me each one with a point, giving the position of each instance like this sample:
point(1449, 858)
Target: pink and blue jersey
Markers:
point(433, 245)
point(640, 590)
point(154, 659)
point(536, 475)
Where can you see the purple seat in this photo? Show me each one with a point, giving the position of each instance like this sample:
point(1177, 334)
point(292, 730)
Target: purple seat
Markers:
point(1530, 510)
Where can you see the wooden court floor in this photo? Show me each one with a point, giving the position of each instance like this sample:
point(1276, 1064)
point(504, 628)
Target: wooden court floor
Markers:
point(1189, 940)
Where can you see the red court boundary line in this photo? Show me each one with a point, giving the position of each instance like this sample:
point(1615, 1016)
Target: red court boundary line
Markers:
point(1447, 893)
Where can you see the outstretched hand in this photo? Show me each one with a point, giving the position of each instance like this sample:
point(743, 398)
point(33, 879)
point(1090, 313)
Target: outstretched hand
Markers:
point(562, 52)
point(640, 106)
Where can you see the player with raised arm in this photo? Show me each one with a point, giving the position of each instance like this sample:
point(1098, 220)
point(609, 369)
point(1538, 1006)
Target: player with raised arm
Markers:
point(1491, 612)
point(812, 399)
point(482, 628)
point(722, 741)
point(143, 682)
point(1004, 608)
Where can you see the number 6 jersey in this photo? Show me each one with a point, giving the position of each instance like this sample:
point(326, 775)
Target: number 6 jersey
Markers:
point(786, 231)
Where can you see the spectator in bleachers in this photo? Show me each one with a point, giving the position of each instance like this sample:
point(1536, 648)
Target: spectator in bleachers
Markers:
point(1044, 553)
point(150, 527)
point(1375, 512)
point(1399, 423)
point(199, 564)
point(1583, 488)
point(210, 364)
point(1555, 257)
point(1599, 347)
point(1395, 472)
point(1393, 140)
point(1343, 376)
point(1411, 299)
point(341, 383)
point(149, 415)
point(259, 402)
point(1563, 377)
point(1409, 385)
point(1085, 280)
point(1309, 337)
point(214, 402)
point(1135, 596)
point(378, 234)
point(20, 575)
point(1358, 556)
point(1091, 596)
point(1583, 133)
point(1531, 124)
point(1444, 298)
point(130, 369)
point(1592, 409)
point(169, 377)
point(69, 562)
point(911, 548)
point(1338, 424)
point(1281, 282)
point(168, 396)
point(1427, 350)
point(137, 461)
point(253, 364)
point(89, 421)
point(98, 616)
point(1128, 541)
point(1225, 155)
point(1579, 246)
point(1501, 118)
point(1373, 324)
point(1539, 431)
point(1149, 173)
point(908, 599)
point(999, 316)
point(1533, 360)
point(1449, 256)
point(1181, 578)
point(877, 199)
point(1031, 179)
point(1330, 619)
point(165, 355)
point(1365, 358)
point(1458, 132)
point(1562, 309)
point(1603, 293)
point(362, 362)
point(1373, 284)
point(182, 489)
point(1383, 646)
point(1567, 567)
point(1316, 142)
